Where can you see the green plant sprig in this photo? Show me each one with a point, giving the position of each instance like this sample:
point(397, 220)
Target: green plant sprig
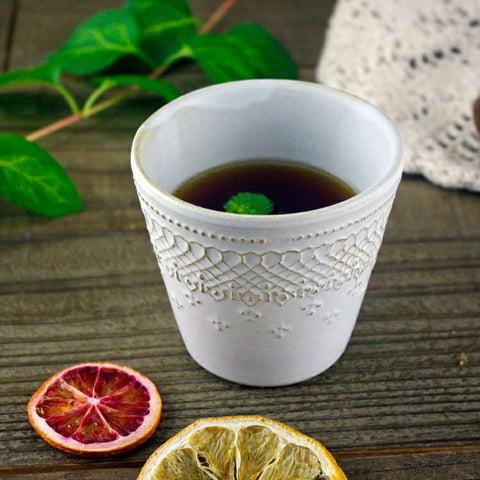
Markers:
point(152, 34)
point(247, 203)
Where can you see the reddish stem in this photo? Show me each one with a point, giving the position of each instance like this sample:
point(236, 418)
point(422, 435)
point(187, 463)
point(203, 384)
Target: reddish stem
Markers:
point(53, 127)
point(218, 15)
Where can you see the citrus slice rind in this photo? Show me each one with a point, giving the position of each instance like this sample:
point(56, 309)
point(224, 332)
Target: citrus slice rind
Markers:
point(95, 409)
point(241, 448)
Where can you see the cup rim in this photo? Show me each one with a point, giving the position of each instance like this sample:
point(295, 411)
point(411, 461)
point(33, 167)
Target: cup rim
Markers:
point(362, 198)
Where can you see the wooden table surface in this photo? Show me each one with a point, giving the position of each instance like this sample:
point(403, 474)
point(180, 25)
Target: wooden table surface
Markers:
point(402, 403)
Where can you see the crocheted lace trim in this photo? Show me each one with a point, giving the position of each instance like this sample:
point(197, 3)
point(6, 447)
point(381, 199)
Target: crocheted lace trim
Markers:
point(419, 61)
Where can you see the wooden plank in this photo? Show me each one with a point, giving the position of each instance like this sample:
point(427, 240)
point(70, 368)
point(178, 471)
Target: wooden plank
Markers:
point(297, 35)
point(441, 465)
point(7, 9)
point(87, 472)
point(358, 404)
point(403, 400)
point(31, 45)
point(348, 418)
point(434, 466)
point(292, 27)
point(436, 267)
point(424, 211)
point(463, 464)
point(397, 373)
point(99, 166)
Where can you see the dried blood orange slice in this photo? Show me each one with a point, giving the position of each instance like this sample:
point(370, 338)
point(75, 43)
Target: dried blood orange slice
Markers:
point(95, 409)
point(241, 448)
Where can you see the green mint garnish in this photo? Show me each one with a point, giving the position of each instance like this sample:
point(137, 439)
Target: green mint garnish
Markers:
point(249, 204)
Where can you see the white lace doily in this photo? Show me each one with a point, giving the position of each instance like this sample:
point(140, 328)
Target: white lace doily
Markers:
point(419, 61)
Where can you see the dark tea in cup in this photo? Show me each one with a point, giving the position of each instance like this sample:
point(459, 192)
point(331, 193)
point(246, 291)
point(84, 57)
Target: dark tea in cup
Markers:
point(292, 187)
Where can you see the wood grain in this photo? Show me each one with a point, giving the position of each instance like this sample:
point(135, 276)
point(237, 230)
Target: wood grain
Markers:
point(7, 21)
point(434, 466)
point(402, 402)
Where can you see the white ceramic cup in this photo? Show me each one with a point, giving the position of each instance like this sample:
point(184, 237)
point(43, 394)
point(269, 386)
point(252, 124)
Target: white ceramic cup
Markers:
point(267, 300)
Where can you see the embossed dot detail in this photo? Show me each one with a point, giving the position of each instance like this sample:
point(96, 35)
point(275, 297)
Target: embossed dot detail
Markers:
point(263, 241)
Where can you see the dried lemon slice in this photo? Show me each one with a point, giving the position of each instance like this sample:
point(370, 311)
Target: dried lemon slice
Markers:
point(241, 448)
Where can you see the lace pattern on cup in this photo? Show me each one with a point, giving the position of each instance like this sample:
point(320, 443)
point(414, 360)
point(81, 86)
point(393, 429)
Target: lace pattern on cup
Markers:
point(209, 268)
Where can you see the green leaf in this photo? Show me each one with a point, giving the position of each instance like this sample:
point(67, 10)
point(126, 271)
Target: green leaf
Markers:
point(246, 51)
point(45, 74)
point(247, 203)
point(99, 41)
point(160, 87)
point(164, 27)
point(33, 179)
